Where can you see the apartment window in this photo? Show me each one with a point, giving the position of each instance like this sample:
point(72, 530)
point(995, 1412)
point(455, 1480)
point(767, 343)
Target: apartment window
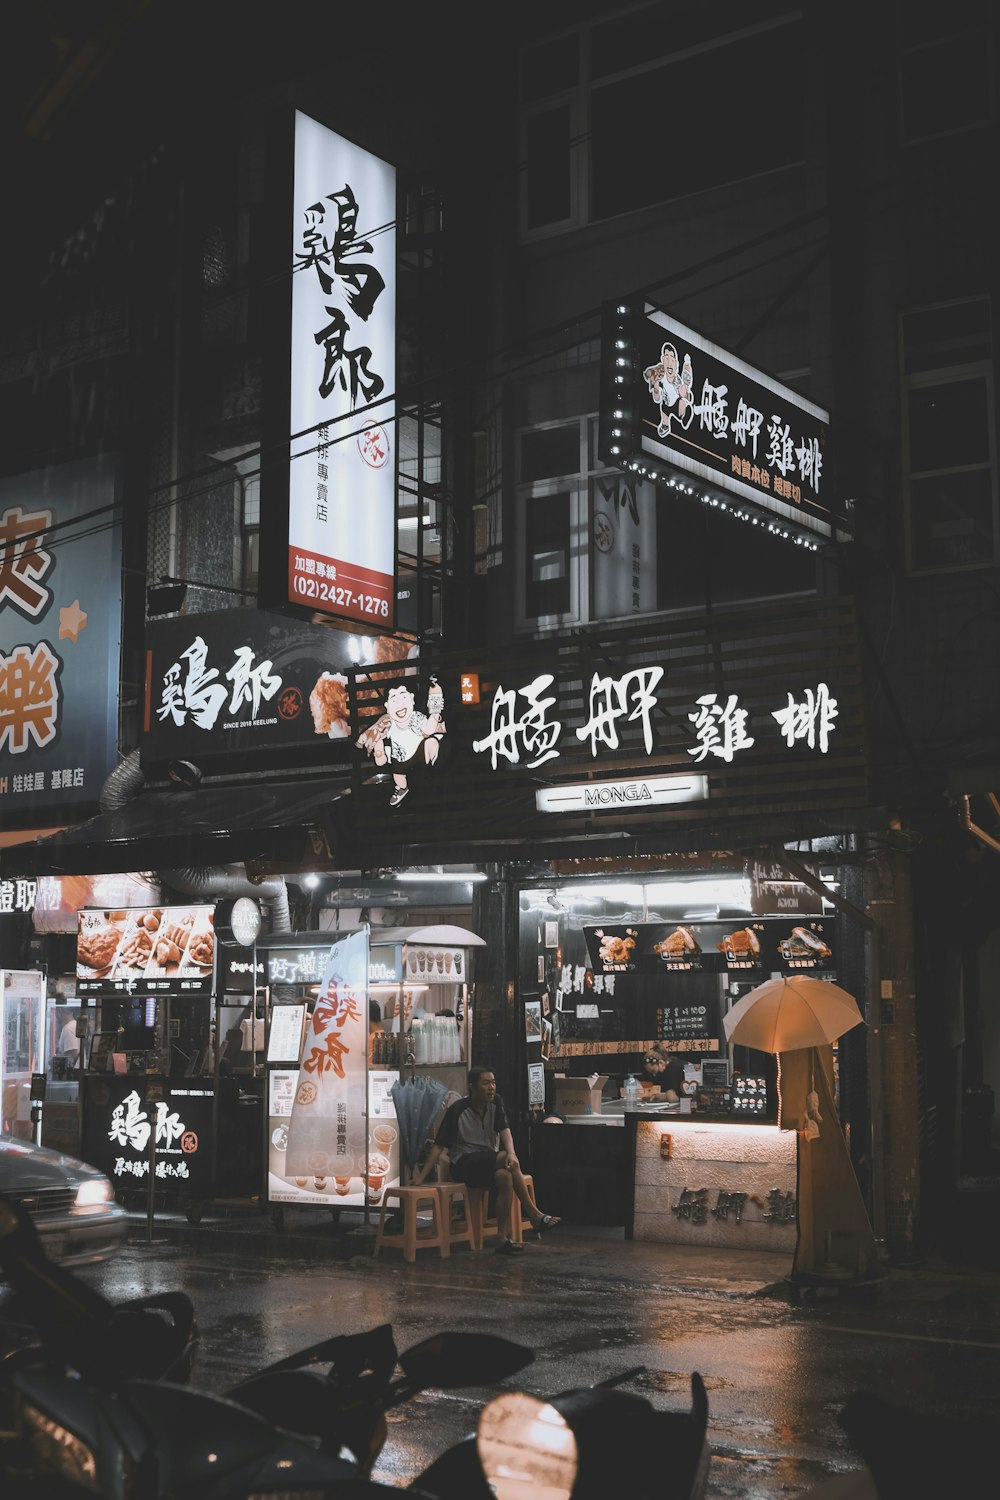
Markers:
point(946, 76)
point(949, 437)
point(651, 103)
point(599, 544)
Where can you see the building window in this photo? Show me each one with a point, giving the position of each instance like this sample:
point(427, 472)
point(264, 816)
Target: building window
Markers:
point(653, 103)
point(600, 544)
point(946, 72)
point(949, 437)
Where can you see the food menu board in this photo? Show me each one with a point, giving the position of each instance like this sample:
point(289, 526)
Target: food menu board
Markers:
point(152, 950)
point(762, 945)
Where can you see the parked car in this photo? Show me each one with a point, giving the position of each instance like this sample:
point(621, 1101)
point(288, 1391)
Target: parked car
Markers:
point(72, 1205)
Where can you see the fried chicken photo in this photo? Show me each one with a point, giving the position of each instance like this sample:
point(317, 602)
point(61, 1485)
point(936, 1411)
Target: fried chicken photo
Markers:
point(328, 704)
point(742, 944)
point(681, 943)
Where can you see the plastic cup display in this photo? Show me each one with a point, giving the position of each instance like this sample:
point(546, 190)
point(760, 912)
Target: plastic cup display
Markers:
point(384, 1135)
point(342, 1185)
point(378, 1167)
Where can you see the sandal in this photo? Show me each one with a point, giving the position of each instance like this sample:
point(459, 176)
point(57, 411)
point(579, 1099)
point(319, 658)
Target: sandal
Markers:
point(507, 1247)
point(547, 1221)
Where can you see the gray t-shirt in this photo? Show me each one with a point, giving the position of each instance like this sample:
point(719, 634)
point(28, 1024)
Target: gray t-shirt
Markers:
point(463, 1130)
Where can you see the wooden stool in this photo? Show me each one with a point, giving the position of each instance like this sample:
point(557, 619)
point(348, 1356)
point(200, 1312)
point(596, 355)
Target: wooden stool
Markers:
point(460, 1227)
point(408, 1201)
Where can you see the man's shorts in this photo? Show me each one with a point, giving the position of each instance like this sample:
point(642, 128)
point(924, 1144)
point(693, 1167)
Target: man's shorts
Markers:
point(476, 1169)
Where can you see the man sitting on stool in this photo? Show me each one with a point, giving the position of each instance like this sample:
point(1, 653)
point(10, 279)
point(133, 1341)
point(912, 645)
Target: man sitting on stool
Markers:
point(477, 1137)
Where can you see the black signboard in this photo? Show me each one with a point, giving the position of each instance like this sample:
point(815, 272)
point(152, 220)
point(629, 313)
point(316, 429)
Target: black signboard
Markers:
point(249, 683)
point(678, 406)
point(693, 1027)
point(773, 890)
point(238, 970)
point(121, 1114)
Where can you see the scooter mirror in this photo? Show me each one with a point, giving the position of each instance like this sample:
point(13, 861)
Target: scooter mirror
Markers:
point(450, 1360)
point(526, 1449)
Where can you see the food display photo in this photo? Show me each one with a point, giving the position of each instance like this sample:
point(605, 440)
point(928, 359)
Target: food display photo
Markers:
point(117, 949)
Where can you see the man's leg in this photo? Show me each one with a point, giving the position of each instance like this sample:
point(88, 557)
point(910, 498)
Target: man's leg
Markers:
point(520, 1187)
point(505, 1201)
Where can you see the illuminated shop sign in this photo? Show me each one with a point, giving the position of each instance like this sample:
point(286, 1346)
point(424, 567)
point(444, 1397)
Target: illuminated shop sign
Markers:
point(684, 412)
point(526, 728)
point(243, 681)
point(60, 635)
point(654, 791)
point(17, 895)
point(146, 950)
point(341, 516)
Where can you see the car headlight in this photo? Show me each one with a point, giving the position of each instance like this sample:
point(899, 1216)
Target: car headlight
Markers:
point(94, 1191)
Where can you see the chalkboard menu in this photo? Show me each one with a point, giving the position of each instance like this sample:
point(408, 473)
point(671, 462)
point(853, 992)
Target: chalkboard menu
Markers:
point(689, 1028)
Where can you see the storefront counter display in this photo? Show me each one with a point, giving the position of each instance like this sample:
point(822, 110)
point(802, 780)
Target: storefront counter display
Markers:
point(727, 1184)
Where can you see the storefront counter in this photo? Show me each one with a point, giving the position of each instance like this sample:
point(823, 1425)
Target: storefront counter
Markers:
point(717, 1182)
point(580, 1174)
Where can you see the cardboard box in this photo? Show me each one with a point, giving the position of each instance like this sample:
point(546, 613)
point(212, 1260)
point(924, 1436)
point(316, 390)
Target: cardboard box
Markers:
point(580, 1096)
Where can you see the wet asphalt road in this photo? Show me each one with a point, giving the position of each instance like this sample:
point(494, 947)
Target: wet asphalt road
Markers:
point(591, 1305)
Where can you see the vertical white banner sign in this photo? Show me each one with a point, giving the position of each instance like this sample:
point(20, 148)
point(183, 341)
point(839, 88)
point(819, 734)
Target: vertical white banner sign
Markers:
point(341, 501)
point(327, 1129)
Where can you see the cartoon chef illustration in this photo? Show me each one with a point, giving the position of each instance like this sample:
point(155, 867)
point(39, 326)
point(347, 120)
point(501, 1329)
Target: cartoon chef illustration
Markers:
point(670, 387)
point(404, 737)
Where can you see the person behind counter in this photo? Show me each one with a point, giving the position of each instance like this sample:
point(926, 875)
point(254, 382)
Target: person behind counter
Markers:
point(666, 1071)
point(476, 1134)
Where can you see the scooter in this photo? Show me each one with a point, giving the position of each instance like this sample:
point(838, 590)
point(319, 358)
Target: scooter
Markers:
point(578, 1445)
point(79, 1416)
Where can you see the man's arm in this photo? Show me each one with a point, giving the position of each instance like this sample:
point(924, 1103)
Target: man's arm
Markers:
point(433, 1157)
point(507, 1145)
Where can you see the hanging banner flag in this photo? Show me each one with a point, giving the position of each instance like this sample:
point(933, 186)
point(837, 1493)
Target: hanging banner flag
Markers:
point(327, 1127)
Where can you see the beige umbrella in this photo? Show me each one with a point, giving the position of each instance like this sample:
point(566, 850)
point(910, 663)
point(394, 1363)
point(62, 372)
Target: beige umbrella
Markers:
point(783, 1015)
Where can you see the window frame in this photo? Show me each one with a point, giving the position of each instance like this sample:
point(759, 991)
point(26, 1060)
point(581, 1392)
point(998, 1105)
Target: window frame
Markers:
point(942, 375)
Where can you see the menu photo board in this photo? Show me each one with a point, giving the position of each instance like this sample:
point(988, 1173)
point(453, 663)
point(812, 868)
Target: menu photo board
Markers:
point(155, 950)
point(761, 945)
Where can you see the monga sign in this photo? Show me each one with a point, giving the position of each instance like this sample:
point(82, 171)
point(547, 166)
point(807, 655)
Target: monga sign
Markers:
point(590, 795)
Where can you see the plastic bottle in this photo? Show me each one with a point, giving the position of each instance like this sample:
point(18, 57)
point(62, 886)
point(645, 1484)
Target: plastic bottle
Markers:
point(632, 1092)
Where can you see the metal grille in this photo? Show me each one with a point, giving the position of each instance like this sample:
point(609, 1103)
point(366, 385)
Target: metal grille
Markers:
point(53, 1200)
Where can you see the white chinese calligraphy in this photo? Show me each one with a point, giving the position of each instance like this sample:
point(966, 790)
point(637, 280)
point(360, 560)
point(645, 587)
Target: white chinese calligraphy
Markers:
point(720, 729)
point(810, 718)
point(609, 702)
point(534, 731)
point(199, 696)
point(251, 683)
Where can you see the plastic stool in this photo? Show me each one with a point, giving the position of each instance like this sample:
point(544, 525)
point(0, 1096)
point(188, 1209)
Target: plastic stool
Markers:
point(412, 1237)
point(485, 1225)
point(460, 1227)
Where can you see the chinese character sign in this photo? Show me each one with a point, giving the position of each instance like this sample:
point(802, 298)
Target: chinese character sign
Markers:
point(526, 726)
point(714, 418)
point(60, 630)
point(341, 542)
point(326, 1128)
